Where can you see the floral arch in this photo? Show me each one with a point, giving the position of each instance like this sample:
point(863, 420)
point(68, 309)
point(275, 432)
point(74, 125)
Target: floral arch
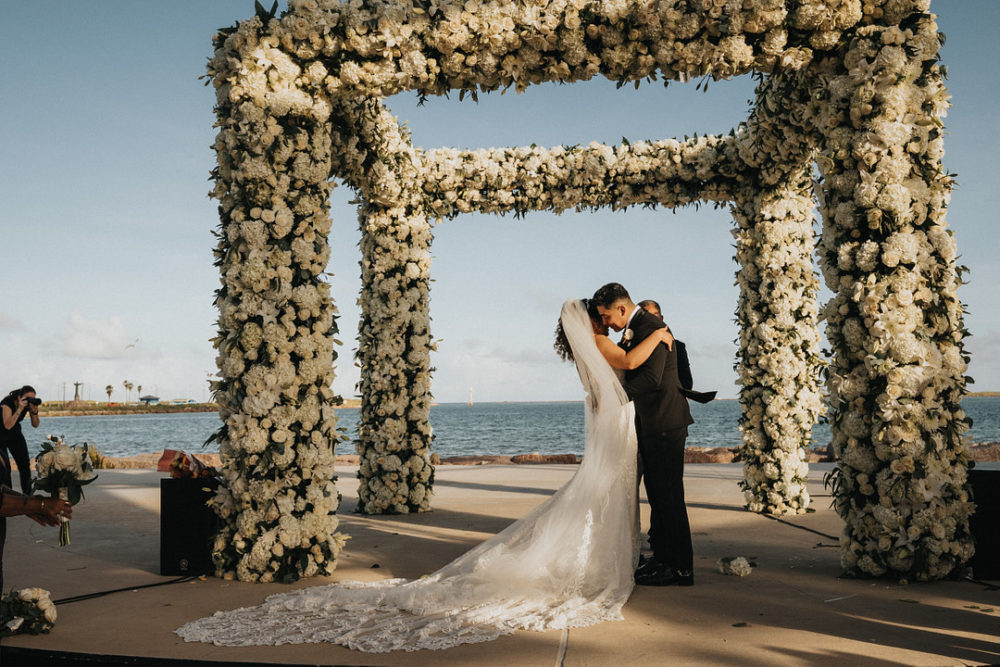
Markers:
point(851, 86)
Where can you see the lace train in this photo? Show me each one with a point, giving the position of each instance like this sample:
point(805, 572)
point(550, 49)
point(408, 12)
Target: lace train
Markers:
point(568, 563)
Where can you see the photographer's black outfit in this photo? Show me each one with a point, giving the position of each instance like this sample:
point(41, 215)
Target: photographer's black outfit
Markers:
point(12, 440)
point(5, 483)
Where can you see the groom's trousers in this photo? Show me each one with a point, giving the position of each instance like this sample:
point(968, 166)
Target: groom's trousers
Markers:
point(663, 475)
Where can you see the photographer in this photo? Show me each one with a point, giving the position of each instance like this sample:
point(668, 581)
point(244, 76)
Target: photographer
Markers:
point(17, 405)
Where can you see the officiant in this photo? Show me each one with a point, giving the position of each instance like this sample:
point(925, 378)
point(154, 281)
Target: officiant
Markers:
point(683, 365)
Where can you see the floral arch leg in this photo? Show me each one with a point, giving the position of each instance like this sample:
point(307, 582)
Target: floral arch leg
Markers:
point(276, 326)
point(778, 360)
point(394, 433)
point(895, 322)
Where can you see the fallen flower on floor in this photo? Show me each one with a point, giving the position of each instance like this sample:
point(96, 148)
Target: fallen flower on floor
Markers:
point(737, 566)
point(28, 610)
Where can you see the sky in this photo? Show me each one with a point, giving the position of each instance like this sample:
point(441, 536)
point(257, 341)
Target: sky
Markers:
point(106, 227)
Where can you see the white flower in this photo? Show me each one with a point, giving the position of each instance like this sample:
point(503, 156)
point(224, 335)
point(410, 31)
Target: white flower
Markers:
point(66, 458)
point(736, 566)
point(49, 610)
point(33, 594)
point(44, 464)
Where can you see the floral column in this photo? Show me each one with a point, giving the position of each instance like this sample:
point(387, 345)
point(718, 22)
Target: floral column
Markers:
point(779, 362)
point(895, 323)
point(394, 433)
point(276, 319)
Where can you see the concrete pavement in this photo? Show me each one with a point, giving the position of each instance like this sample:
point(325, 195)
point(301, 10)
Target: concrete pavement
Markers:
point(793, 609)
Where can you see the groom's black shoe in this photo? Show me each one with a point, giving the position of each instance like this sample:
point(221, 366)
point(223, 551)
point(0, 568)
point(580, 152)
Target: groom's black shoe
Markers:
point(647, 564)
point(662, 574)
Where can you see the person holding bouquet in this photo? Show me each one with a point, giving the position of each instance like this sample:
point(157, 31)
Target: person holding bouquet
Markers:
point(17, 405)
point(45, 511)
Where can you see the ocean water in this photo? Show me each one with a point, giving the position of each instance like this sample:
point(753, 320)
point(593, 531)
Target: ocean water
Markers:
point(459, 429)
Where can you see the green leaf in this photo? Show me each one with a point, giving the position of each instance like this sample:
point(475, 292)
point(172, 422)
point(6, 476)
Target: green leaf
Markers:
point(264, 14)
point(41, 485)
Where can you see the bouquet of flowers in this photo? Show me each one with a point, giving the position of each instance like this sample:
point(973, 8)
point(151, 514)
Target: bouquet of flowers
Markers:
point(63, 470)
point(28, 610)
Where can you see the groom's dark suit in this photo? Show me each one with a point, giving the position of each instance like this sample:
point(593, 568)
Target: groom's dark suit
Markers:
point(662, 418)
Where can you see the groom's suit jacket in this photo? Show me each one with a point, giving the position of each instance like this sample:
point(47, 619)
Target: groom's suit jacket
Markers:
point(654, 386)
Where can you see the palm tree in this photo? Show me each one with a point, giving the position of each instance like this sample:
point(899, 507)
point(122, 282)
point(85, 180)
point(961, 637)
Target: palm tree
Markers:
point(128, 387)
point(109, 389)
point(138, 391)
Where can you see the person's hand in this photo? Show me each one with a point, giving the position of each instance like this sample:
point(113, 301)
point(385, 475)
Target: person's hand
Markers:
point(22, 403)
point(42, 520)
point(666, 337)
point(51, 510)
point(60, 508)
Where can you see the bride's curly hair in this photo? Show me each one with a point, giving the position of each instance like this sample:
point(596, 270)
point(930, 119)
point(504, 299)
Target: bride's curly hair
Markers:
point(561, 344)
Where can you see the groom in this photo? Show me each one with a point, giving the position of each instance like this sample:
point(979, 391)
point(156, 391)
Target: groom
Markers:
point(661, 421)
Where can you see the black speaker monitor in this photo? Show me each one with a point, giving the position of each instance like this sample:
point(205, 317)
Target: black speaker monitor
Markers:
point(187, 526)
point(985, 523)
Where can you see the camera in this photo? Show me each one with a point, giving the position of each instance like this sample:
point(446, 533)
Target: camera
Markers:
point(34, 401)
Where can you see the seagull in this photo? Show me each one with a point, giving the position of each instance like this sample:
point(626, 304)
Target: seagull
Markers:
point(132, 344)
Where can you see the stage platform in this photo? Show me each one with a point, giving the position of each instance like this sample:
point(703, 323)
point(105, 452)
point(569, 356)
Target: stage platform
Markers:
point(793, 609)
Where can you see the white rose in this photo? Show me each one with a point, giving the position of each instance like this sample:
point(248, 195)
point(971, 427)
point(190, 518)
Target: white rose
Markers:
point(66, 458)
point(33, 594)
point(738, 567)
point(44, 464)
point(49, 610)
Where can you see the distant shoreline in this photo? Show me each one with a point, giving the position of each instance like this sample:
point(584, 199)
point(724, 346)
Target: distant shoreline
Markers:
point(95, 409)
point(111, 410)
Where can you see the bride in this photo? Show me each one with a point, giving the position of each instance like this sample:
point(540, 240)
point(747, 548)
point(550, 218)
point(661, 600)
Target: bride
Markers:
point(568, 563)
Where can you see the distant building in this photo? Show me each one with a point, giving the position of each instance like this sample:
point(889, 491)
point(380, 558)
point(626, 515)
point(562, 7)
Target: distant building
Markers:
point(149, 400)
point(182, 401)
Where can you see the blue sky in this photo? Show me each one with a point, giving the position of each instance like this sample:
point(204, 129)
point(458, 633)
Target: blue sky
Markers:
point(106, 225)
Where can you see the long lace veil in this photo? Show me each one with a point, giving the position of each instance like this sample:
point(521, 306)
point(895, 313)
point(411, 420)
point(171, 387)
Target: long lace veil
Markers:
point(567, 563)
point(598, 379)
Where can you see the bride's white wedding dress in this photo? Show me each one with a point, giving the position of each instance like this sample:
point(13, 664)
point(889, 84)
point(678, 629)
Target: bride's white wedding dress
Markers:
point(568, 563)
